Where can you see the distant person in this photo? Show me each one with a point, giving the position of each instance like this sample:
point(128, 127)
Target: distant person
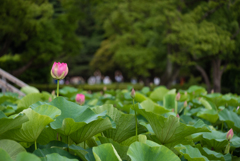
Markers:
point(91, 80)
point(134, 80)
point(156, 81)
point(98, 76)
point(107, 80)
point(118, 77)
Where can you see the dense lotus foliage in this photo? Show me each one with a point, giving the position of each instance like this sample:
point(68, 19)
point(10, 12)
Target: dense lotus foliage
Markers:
point(191, 125)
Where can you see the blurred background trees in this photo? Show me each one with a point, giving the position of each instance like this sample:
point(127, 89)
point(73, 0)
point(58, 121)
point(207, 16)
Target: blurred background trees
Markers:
point(168, 38)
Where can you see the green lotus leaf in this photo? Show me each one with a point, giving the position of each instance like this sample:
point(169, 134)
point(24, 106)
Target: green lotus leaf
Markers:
point(30, 130)
point(197, 90)
point(29, 90)
point(91, 129)
point(46, 151)
point(209, 115)
point(11, 123)
point(216, 139)
point(28, 100)
point(129, 141)
point(25, 156)
point(47, 135)
point(149, 105)
point(55, 156)
point(210, 154)
point(106, 152)
point(231, 118)
point(190, 153)
point(5, 156)
point(145, 90)
point(158, 93)
point(169, 131)
point(139, 97)
point(73, 116)
point(125, 124)
point(150, 151)
point(11, 147)
point(169, 101)
point(121, 149)
point(207, 104)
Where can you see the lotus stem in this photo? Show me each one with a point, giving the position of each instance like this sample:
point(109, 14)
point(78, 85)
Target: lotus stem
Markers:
point(35, 145)
point(57, 87)
point(68, 143)
point(135, 119)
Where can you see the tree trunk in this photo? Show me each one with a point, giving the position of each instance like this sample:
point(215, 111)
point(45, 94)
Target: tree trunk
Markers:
point(217, 74)
point(205, 77)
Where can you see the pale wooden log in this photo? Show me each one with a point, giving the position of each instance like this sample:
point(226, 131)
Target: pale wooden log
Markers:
point(11, 88)
point(12, 78)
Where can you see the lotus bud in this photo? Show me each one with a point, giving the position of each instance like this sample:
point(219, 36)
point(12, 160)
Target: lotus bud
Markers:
point(80, 99)
point(237, 108)
point(178, 96)
point(172, 110)
point(185, 104)
point(178, 116)
point(104, 88)
point(229, 134)
point(59, 70)
point(212, 91)
point(133, 93)
point(185, 93)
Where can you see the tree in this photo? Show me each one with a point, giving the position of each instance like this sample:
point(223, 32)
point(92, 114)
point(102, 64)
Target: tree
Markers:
point(206, 34)
point(37, 32)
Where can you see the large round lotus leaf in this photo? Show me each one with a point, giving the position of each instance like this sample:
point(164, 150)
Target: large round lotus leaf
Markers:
point(125, 124)
point(11, 123)
point(5, 156)
point(169, 131)
point(197, 90)
point(47, 135)
point(25, 156)
point(207, 104)
point(210, 154)
point(57, 157)
point(11, 147)
point(139, 97)
point(149, 105)
point(91, 129)
point(209, 115)
point(121, 149)
point(190, 153)
point(231, 118)
point(106, 152)
point(216, 139)
point(150, 151)
point(28, 100)
point(158, 93)
point(169, 101)
point(46, 151)
point(29, 90)
point(31, 129)
point(73, 116)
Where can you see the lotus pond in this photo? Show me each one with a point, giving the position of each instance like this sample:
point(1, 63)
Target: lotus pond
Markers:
point(41, 126)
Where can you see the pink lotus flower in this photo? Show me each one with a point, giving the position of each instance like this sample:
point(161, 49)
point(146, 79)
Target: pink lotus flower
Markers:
point(133, 93)
point(59, 70)
point(229, 134)
point(178, 116)
point(80, 99)
point(178, 96)
point(237, 108)
point(185, 104)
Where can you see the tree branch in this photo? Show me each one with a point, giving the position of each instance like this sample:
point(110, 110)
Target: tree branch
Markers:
point(205, 77)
